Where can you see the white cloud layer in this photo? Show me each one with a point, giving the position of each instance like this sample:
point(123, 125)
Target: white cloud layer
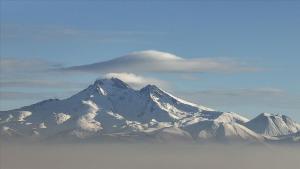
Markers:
point(157, 61)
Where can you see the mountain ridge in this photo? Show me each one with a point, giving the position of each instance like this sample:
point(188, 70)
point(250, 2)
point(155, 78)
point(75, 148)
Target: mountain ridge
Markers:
point(110, 108)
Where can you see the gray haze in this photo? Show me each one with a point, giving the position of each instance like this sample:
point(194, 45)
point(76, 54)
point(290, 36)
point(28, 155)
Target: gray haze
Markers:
point(148, 156)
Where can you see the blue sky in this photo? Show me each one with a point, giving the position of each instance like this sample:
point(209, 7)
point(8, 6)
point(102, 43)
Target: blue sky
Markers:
point(263, 35)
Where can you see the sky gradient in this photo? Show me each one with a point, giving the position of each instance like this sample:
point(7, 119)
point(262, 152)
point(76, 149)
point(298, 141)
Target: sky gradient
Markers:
point(262, 35)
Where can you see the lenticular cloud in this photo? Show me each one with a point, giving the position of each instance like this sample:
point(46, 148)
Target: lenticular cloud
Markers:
point(157, 61)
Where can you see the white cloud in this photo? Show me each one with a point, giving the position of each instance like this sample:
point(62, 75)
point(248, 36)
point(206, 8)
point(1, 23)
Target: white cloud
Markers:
point(137, 81)
point(157, 61)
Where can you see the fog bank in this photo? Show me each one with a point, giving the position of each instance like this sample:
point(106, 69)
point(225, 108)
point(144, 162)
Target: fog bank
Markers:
point(148, 156)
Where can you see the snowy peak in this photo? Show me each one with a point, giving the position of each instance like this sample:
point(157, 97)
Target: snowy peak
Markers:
point(157, 94)
point(141, 105)
point(100, 88)
point(227, 117)
point(150, 89)
point(112, 82)
point(273, 125)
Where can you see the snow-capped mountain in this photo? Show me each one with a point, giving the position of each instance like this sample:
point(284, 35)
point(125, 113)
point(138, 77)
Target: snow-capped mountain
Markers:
point(273, 125)
point(111, 109)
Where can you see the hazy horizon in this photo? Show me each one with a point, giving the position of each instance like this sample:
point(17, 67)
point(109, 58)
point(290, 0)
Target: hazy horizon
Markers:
point(148, 156)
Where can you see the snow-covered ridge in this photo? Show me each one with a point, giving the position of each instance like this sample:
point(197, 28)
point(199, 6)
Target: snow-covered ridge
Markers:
point(110, 108)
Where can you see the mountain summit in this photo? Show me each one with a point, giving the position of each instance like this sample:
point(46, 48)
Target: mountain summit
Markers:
point(111, 109)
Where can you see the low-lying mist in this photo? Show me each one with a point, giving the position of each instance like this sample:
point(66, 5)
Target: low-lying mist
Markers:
point(148, 156)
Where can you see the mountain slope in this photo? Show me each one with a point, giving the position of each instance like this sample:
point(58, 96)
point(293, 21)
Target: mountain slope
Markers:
point(108, 105)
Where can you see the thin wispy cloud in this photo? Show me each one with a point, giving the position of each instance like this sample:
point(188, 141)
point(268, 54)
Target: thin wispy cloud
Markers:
point(41, 83)
point(157, 61)
point(22, 65)
point(29, 73)
point(37, 96)
point(58, 32)
point(14, 95)
point(25, 78)
point(245, 92)
point(244, 99)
